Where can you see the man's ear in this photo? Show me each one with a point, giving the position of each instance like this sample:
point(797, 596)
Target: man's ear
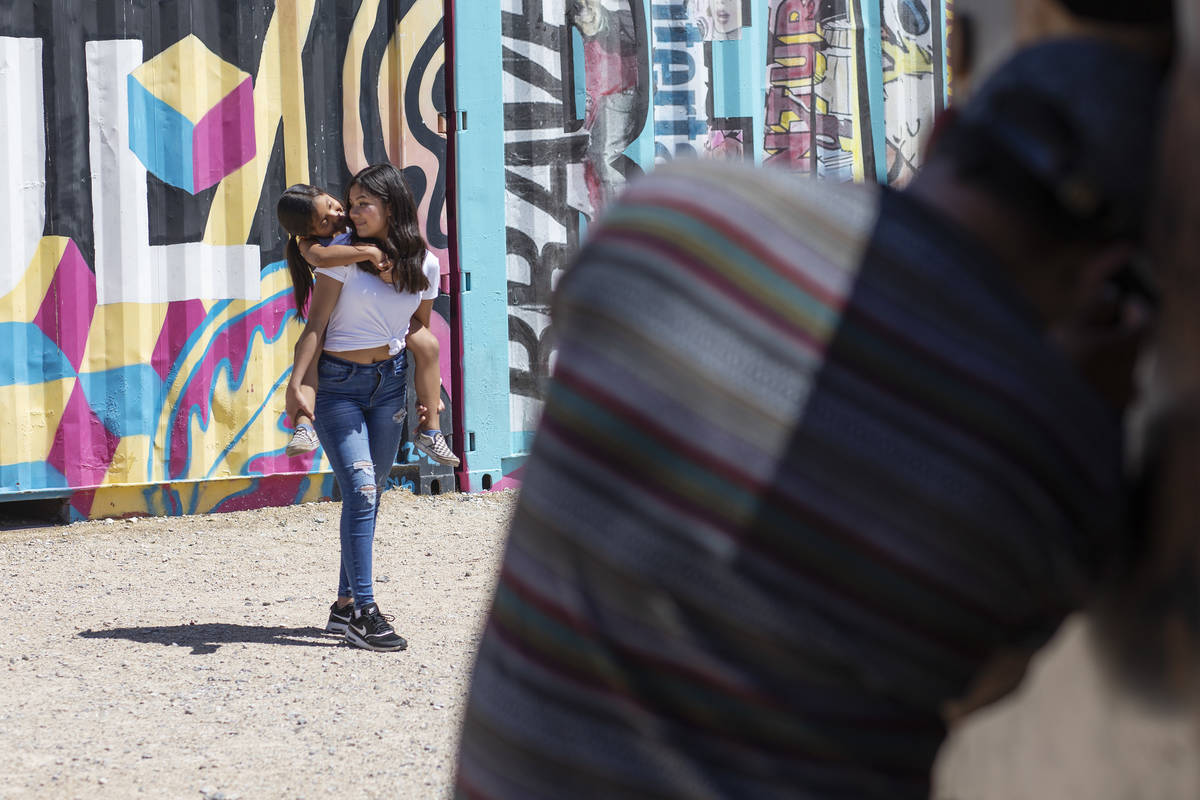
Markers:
point(1094, 272)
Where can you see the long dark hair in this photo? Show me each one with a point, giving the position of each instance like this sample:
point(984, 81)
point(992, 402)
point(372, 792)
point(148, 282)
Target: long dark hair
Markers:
point(404, 245)
point(295, 211)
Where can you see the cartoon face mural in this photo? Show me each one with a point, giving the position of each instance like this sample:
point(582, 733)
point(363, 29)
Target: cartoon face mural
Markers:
point(146, 291)
point(912, 86)
point(719, 20)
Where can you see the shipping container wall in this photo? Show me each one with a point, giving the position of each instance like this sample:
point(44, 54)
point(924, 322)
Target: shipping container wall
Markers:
point(592, 93)
point(145, 306)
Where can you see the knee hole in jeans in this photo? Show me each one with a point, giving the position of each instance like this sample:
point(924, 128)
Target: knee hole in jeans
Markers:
point(365, 471)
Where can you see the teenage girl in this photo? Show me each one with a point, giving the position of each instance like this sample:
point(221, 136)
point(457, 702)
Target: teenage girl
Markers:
point(355, 333)
point(319, 236)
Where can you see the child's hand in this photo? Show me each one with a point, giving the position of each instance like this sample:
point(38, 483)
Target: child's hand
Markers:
point(385, 270)
point(423, 417)
point(373, 254)
point(297, 404)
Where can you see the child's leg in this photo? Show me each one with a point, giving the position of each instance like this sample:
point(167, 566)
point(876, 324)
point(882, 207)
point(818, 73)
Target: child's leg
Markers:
point(427, 380)
point(308, 387)
point(304, 438)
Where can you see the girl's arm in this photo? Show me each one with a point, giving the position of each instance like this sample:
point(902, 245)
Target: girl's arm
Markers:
point(312, 338)
point(420, 317)
point(339, 255)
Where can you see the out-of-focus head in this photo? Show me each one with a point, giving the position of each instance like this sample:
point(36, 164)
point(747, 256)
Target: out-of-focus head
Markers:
point(985, 32)
point(1065, 132)
point(1141, 12)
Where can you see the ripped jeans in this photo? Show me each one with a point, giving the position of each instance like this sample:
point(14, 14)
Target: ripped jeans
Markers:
point(355, 404)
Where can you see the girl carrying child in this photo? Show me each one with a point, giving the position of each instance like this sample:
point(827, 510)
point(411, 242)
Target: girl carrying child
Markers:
point(319, 236)
point(361, 313)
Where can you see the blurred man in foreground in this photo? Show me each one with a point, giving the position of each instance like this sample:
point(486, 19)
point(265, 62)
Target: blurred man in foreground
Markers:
point(877, 457)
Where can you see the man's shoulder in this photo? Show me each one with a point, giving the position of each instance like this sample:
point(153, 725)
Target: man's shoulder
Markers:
point(741, 202)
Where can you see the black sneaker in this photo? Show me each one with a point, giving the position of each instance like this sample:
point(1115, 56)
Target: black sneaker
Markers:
point(372, 630)
point(339, 618)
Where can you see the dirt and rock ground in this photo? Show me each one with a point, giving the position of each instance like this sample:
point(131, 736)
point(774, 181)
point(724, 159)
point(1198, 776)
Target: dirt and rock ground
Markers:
point(186, 658)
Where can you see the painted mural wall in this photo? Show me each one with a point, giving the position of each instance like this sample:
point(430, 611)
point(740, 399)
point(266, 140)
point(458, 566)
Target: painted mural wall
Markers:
point(598, 91)
point(144, 148)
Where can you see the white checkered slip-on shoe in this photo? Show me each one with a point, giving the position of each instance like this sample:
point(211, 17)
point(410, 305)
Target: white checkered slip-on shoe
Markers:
point(304, 440)
point(434, 445)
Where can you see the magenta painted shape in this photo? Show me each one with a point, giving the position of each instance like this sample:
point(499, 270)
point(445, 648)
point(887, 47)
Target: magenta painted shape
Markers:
point(223, 139)
point(280, 464)
point(183, 317)
point(273, 491)
point(231, 346)
point(510, 481)
point(83, 448)
point(82, 502)
point(65, 315)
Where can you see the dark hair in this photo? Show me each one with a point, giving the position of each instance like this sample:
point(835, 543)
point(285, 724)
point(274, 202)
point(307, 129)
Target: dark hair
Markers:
point(404, 245)
point(1145, 12)
point(295, 211)
point(1059, 131)
point(979, 159)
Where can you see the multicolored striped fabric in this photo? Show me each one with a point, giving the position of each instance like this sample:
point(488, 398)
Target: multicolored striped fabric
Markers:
point(806, 461)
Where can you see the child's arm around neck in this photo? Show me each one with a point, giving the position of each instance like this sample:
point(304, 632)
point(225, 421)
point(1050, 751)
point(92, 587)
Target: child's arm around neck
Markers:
point(338, 255)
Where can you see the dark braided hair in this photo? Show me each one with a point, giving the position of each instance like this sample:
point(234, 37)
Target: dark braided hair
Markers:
point(295, 211)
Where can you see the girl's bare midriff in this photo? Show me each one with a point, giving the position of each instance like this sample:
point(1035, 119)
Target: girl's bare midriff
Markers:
point(367, 355)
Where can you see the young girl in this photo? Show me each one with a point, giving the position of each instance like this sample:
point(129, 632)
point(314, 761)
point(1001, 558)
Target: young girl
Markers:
point(320, 237)
point(355, 333)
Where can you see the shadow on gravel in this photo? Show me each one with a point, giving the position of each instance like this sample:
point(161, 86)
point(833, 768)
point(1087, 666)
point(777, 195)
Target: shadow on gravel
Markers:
point(208, 637)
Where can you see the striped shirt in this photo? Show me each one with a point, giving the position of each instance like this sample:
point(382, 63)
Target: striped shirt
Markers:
point(806, 461)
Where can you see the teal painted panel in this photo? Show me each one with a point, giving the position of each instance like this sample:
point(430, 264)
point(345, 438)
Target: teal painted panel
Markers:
point(479, 76)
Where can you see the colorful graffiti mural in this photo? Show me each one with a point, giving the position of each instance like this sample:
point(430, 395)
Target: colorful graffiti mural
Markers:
point(145, 294)
point(817, 110)
point(658, 80)
point(147, 144)
point(913, 82)
point(584, 82)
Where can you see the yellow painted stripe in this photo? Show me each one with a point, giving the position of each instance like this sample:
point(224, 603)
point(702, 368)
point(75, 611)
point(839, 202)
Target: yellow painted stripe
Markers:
point(122, 334)
point(856, 81)
point(406, 43)
point(295, 113)
point(189, 77)
point(237, 199)
point(23, 302)
point(29, 434)
point(801, 38)
point(352, 88)
point(129, 462)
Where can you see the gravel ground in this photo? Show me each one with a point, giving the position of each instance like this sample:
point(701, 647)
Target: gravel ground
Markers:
point(186, 658)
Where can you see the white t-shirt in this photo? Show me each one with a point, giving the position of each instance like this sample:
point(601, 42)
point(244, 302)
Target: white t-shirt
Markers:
point(370, 312)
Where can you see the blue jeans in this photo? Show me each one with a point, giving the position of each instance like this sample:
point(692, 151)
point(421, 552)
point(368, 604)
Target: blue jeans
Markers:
point(355, 404)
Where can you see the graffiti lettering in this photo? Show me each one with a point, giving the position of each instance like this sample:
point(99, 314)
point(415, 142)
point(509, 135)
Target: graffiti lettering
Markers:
point(544, 145)
point(681, 93)
point(816, 90)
